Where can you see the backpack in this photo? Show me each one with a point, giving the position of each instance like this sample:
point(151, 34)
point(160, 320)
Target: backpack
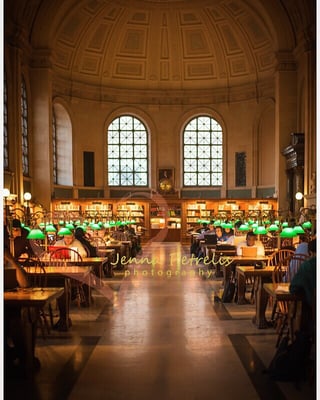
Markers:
point(229, 291)
point(290, 360)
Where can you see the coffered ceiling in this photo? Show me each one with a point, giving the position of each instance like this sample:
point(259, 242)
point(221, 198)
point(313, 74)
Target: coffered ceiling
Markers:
point(160, 44)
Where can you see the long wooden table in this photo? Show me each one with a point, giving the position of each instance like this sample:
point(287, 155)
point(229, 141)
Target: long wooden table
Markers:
point(229, 264)
point(98, 264)
point(53, 273)
point(31, 300)
point(260, 296)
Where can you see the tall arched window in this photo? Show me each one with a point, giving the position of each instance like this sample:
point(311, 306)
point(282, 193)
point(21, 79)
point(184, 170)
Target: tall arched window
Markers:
point(127, 152)
point(203, 153)
point(62, 146)
point(24, 129)
point(5, 125)
point(54, 149)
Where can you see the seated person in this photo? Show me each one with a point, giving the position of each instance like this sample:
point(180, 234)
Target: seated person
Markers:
point(237, 235)
point(301, 250)
point(209, 231)
point(220, 234)
point(21, 249)
point(63, 301)
point(304, 283)
point(203, 228)
point(228, 232)
point(251, 242)
point(14, 334)
point(70, 241)
point(81, 237)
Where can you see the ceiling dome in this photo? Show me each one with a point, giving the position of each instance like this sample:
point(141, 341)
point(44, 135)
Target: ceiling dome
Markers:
point(164, 44)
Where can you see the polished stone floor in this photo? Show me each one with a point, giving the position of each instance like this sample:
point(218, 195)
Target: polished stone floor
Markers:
point(156, 333)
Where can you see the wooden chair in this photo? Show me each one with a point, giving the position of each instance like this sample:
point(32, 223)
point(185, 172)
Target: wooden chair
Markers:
point(99, 243)
point(279, 256)
point(39, 280)
point(294, 265)
point(285, 312)
point(63, 257)
point(279, 259)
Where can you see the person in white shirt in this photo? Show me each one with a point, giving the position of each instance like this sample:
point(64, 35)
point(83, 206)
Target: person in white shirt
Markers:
point(237, 236)
point(251, 242)
point(71, 241)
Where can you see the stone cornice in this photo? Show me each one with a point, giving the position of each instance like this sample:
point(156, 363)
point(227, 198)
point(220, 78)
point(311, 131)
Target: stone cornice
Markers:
point(78, 90)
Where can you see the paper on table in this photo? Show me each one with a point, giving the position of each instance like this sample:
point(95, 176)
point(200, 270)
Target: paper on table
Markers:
point(282, 288)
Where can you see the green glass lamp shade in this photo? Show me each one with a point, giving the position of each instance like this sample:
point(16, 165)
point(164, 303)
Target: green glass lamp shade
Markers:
point(254, 225)
point(228, 225)
point(64, 232)
point(95, 227)
point(36, 234)
point(285, 224)
point(61, 222)
point(118, 223)
point(307, 225)
point(288, 233)
point(298, 229)
point(273, 228)
point(42, 225)
point(260, 230)
point(243, 228)
point(277, 222)
point(69, 226)
point(50, 228)
point(112, 223)
point(106, 225)
point(133, 222)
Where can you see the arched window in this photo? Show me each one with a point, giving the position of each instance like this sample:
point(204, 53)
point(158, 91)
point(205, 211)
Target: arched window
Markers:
point(5, 125)
point(54, 149)
point(203, 153)
point(62, 146)
point(24, 129)
point(127, 152)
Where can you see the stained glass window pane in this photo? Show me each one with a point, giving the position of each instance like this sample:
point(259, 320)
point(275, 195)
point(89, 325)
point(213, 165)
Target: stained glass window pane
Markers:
point(127, 152)
point(5, 126)
point(24, 129)
point(203, 153)
point(54, 148)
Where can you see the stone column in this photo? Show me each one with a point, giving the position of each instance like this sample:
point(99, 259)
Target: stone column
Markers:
point(41, 96)
point(285, 118)
point(13, 71)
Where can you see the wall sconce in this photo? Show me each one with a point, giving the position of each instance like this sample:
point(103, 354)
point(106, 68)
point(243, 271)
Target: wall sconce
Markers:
point(299, 196)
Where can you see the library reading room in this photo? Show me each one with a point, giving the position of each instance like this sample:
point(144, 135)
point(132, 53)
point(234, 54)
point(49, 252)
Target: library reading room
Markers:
point(159, 200)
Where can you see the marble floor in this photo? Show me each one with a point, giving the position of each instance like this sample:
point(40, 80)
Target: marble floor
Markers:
point(157, 333)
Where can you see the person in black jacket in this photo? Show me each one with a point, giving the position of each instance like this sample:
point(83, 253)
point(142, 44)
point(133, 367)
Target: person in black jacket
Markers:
point(21, 249)
point(80, 235)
